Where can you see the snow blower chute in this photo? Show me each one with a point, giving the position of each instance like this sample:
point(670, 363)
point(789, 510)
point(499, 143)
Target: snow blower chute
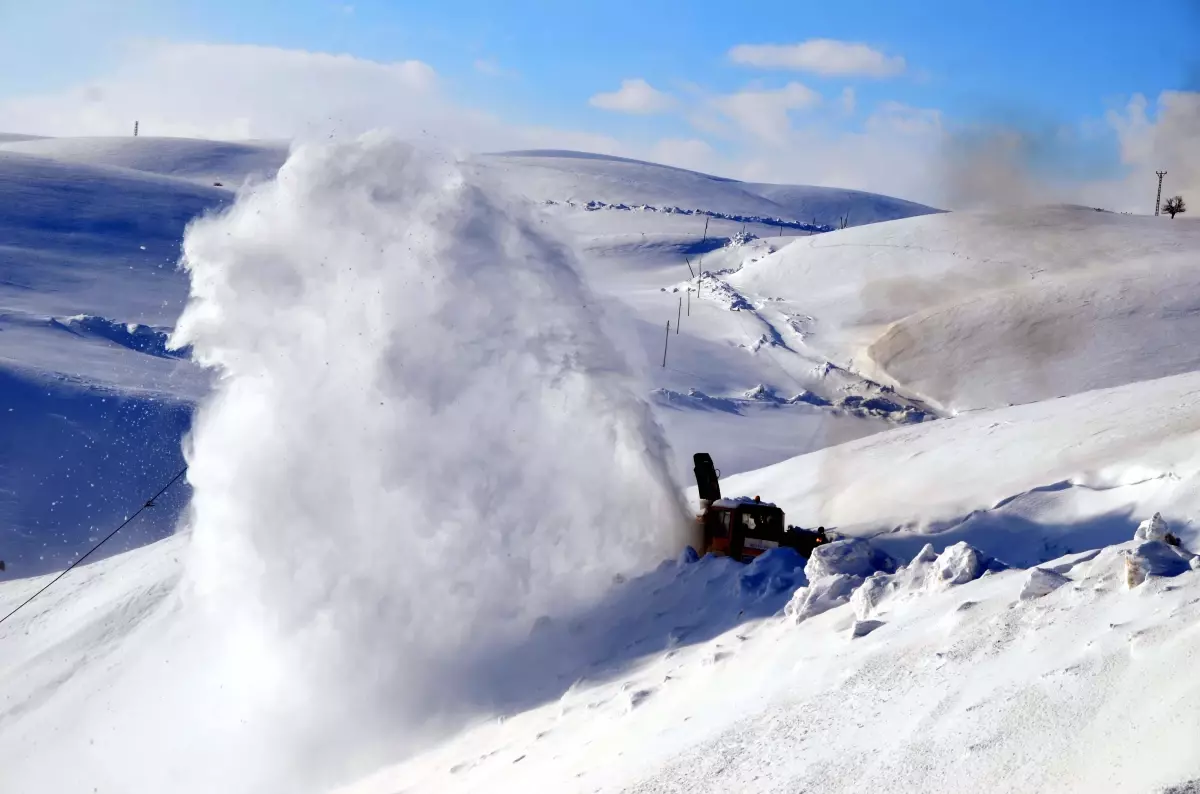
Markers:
point(742, 527)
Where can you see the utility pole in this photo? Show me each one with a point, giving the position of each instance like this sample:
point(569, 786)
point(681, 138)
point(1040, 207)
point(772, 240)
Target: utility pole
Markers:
point(679, 315)
point(135, 126)
point(1158, 198)
point(689, 291)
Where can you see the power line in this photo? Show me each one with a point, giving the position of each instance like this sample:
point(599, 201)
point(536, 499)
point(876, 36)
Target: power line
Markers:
point(1158, 198)
point(148, 503)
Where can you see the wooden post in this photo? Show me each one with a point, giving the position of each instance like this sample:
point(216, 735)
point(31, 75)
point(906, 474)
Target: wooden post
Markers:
point(665, 341)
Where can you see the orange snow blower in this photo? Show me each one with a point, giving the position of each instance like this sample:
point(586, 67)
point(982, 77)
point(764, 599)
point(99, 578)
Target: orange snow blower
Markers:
point(743, 528)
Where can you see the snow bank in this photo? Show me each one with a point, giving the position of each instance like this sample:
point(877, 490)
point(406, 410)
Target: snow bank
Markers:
point(771, 573)
point(422, 440)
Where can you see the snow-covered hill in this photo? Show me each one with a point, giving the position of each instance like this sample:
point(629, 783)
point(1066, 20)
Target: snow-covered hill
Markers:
point(973, 310)
point(435, 540)
point(582, 178)
point(196, 160)
point(95, 407)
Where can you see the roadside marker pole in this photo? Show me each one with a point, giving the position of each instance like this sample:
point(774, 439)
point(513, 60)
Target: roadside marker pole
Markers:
point(679, 317)
point(665, 341)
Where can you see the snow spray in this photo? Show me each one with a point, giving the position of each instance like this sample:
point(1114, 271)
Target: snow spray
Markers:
point(421, 441)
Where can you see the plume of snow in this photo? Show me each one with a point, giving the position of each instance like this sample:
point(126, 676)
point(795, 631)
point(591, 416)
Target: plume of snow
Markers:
point(422, 440)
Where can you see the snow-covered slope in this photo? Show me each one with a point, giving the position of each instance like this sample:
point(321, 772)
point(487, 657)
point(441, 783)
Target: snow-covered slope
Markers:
point(431, 498)
point(853, 207)
point(94, 405)
point(972, 310)
point(945, 688)
point(582, 178)
point(186, 158)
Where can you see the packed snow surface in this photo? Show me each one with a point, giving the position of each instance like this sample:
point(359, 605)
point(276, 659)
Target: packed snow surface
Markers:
point(436, 528)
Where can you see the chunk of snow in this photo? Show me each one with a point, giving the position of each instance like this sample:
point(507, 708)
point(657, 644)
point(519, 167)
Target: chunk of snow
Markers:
point(873, 592)
point(1153, 528)
point(958, 564)
point(862, 628)
point(1156, 558)
point(852, 556)
point(821, 596)
point(928, 571)
point(1042, 582)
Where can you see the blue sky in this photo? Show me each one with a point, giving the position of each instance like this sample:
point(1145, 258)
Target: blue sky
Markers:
point(1070, 57)
point(1032, 64)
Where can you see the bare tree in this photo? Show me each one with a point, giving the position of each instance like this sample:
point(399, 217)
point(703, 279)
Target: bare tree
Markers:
point(1174, 206)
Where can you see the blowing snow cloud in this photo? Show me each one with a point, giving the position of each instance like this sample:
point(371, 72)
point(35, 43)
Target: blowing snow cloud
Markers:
point(422, 439)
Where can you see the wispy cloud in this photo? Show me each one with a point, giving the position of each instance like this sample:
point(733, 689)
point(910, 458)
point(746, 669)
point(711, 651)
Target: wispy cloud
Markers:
point(244, 91)
point(828, 57)
point(764, 113)
point(848, 100)
point(634, 96)
point(490, 68)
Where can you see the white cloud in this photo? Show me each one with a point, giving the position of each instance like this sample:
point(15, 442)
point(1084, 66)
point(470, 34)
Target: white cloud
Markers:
point(763, 112)
point(889, 155)
point(849, 100)
point(634, 96)
point(820, 56)
point(227, 91)
point(1159, 136)
point(896, 117)
point(690, 153)
point(489, 67)
point(242, 91)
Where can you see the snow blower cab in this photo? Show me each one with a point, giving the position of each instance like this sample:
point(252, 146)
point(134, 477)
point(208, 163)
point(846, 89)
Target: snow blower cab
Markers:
point(744, 527)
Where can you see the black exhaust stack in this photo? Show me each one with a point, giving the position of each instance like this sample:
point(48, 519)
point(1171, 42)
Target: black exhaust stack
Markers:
point(706, 478)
